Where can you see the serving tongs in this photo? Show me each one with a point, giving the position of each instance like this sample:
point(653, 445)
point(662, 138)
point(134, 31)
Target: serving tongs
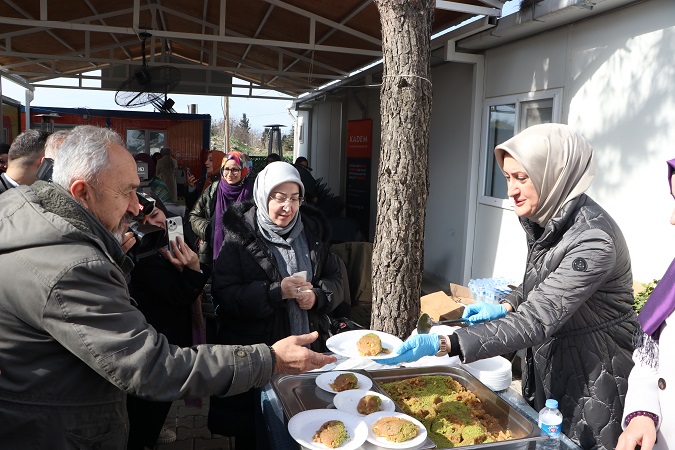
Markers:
point(424, 323)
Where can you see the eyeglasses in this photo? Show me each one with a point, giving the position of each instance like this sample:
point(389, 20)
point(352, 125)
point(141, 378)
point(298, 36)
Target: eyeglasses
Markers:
point(231, 169)
point(293, 201)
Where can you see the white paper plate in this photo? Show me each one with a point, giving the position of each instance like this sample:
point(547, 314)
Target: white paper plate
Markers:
point(347, 401)
point(497, 365)
point(381, 442)
point(326, 379)
point(345, 344)
point(495, 372)
point(305, 424)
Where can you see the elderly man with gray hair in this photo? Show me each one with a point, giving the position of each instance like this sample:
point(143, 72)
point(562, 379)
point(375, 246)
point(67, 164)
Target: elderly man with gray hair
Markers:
point(73, 345)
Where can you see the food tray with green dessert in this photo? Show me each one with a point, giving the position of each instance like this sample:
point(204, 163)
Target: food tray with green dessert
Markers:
point(297, 393)
point(456, 408)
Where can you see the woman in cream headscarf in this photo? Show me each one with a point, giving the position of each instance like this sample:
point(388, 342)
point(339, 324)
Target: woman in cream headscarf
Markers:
point(274, 277)
point(572, 315)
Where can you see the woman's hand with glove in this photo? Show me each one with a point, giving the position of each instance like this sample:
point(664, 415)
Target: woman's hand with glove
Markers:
point(480, 312)
point(414, 348)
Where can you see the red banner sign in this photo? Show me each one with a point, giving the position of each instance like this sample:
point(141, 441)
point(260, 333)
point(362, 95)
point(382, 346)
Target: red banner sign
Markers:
point(360, 138)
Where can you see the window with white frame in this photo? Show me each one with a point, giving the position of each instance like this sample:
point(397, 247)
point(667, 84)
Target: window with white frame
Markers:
point(504, 118)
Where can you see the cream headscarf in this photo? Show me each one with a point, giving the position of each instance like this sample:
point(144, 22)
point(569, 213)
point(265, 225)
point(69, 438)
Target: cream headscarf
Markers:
point(274, 174)
point(558, 160)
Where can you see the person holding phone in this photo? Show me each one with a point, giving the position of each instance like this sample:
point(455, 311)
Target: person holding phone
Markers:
point(166, 287)
point(233, 184)
point(174, 229)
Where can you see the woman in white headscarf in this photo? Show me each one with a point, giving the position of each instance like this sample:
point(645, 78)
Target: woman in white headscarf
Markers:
point(274, 276)
point(572, 315)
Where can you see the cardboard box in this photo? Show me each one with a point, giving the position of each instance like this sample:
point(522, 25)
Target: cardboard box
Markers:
point(441, 306)
point(461, 294)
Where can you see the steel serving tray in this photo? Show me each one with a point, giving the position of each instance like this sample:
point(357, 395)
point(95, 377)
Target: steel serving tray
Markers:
point(524, 430)
point(298, 393)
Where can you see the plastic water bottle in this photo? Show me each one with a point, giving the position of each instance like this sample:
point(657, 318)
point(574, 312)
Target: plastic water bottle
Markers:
point(472, 287)
point(550, 421)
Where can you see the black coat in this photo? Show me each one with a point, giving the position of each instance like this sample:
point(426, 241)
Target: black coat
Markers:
point(246, 286)
point(574, 315)
point(165, 296)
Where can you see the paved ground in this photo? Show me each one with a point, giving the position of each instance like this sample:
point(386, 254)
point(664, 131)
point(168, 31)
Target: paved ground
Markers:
point(189, 423)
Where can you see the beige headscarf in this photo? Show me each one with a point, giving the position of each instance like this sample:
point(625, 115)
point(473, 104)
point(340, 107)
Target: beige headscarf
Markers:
point(558, 160)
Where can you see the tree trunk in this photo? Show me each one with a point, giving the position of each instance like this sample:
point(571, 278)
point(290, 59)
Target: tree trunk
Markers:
point(403, 178)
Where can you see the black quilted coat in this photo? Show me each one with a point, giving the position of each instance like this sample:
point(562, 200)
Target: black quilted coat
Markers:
point(573, 315)
point(247, 294)
point(246, 286)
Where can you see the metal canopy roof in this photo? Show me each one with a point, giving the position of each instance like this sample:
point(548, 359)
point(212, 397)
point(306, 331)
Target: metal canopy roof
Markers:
point(292, 46)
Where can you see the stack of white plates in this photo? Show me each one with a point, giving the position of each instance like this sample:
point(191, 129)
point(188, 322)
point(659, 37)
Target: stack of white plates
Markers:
point(495, 372)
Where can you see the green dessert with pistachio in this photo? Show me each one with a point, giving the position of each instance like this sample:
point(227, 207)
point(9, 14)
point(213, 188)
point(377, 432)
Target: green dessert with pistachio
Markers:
point(332, 434)
point(395, 429)
point(452, 415)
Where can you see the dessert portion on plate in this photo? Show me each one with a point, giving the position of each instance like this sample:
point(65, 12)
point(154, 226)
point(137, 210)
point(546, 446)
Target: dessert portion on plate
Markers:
point(370, 344)
point(344, 382)
point(331, 434)
point(361, 402)
point(395, 429)
point(391, 429)
point(369, 404)
point(318, 429)
point(337, 381)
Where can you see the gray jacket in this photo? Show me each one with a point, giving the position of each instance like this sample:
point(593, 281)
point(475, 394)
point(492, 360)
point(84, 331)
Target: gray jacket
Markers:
point(573, 314)
point(201, 221)
point(73, 345)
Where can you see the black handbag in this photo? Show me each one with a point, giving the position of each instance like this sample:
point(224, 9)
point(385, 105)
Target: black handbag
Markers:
point(343, 324)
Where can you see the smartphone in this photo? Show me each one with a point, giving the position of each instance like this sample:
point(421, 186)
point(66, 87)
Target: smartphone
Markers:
point(174, 228)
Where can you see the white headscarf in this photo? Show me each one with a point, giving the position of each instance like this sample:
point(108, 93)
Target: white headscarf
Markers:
point(558, 160)
point(271, 176)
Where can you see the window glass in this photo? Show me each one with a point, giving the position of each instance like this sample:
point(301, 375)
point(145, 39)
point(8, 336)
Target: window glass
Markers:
point(157, 140)
point(535, 112)
point(504, 121)
point(136, 141)
point(145, 141)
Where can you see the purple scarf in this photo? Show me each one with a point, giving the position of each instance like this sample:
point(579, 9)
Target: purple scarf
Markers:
point(228, 194)
point(661, 302)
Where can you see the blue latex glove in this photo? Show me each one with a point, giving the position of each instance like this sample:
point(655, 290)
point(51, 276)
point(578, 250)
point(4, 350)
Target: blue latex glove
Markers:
point(415, 347)
point(480, 312)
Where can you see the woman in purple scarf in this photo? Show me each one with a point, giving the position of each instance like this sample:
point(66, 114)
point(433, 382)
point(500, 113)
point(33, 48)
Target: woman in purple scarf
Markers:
point(649, 414)
point(237, 188)
point(235, 185)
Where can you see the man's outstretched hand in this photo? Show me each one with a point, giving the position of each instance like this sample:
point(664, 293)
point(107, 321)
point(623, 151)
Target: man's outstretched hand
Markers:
point(294, 358)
